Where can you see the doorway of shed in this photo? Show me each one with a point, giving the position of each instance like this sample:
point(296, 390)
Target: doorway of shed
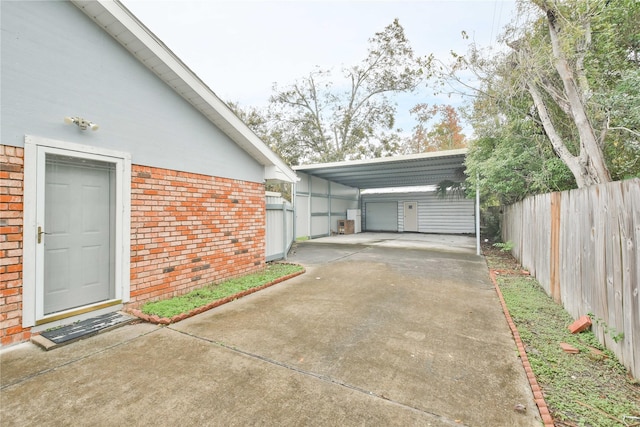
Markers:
point(410, 216)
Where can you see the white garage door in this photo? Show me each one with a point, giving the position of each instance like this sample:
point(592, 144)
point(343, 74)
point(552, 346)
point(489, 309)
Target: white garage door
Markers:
point(381, 216)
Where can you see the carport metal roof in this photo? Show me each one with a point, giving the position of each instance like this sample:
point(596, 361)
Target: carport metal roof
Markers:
point(400, 171)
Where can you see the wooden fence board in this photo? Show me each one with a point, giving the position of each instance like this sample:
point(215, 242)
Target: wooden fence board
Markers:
point(612, 255)
point(631, 275)
point(585, 217)
point(542, 260)
point(554, 250)
point(617, 220)
point(596, 256)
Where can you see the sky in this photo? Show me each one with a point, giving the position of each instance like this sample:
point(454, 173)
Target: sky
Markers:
point(241, 48)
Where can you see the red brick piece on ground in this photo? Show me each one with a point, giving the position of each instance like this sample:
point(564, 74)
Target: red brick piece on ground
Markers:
point(568, 348)
point(582, 324)
point(597, 353)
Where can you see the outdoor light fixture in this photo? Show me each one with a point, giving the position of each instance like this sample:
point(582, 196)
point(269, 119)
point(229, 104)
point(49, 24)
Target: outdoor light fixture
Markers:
point(83, 124)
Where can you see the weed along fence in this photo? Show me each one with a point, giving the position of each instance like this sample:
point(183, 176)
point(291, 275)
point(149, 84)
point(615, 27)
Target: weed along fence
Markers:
point(582, 246)
point(279, 227)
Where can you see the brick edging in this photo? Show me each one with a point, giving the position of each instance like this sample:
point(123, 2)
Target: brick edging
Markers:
point(178, 317)
point(535, 388)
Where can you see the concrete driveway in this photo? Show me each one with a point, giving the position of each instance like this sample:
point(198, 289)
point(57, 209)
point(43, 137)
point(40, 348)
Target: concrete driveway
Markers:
point(377, 332)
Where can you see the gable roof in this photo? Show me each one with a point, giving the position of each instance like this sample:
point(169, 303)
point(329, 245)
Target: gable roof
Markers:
point(400, 171)
point(122, 25)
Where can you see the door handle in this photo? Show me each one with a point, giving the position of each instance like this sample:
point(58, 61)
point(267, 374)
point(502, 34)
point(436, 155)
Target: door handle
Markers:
point(40, 233)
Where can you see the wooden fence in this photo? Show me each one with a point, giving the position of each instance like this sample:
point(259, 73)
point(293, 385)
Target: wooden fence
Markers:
point(582, 246)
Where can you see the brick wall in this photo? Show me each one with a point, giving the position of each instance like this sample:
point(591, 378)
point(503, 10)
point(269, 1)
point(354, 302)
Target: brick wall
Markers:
point(11, 220)
point(188, 230)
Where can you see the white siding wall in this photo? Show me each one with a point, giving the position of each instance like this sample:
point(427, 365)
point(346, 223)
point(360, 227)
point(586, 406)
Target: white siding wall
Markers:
point(56, 62)
point(435, 215)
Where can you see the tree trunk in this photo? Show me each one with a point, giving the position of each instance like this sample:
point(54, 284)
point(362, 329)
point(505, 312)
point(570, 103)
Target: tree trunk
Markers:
point(591, 158)
point(579, 172)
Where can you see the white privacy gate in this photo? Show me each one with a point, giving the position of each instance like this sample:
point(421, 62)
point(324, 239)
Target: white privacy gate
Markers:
point(279, 227)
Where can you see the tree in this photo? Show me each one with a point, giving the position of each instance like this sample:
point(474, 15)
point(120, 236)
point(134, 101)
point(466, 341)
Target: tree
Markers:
point(260, 123)
point(623, 110)
point(319, 121)
point(564, 95)
point(446, 134)
point(567, 85)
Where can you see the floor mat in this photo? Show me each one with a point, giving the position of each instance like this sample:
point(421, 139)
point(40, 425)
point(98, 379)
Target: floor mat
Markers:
point(86, 328)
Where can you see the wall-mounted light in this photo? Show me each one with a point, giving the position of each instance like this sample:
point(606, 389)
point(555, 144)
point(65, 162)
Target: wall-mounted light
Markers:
point(83, 124)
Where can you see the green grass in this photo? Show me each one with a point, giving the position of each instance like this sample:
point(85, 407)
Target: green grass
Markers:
point(583, 389)
point(203, 296)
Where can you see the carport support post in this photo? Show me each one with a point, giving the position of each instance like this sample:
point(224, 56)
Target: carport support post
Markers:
point(477, 216)
point(294, 196)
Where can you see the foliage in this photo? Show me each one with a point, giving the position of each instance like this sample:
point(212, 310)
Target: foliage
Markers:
point(612, 332)
point(203, 296)
point(509, 167)
point(559, 108)
point(623, 106)
point(445, 134)
point(491, 222)
point(451, 189)
point(504, 246)
point(587, 389)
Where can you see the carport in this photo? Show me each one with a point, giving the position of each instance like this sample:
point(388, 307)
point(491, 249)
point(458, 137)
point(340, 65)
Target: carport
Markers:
point(332, 188)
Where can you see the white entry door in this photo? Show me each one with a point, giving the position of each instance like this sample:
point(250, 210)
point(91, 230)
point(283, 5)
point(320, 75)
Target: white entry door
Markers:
point(410, 216)
point(76, 233)
point(77, 209)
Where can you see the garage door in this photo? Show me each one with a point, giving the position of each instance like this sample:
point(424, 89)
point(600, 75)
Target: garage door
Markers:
point(381, 216)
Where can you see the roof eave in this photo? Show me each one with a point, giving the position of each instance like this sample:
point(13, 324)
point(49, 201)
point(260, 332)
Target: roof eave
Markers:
point(404, 158)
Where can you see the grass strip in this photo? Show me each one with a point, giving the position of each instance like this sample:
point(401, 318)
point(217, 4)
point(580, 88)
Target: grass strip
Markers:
point(203, 296)
point(586, 389)
point(590, 388)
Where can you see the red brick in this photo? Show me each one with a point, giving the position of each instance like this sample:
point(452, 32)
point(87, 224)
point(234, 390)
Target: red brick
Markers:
point(568, 348)
point(14, 268)
point(14, 330)
point(10, 292)
point(581, 324)
point(598, 353)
